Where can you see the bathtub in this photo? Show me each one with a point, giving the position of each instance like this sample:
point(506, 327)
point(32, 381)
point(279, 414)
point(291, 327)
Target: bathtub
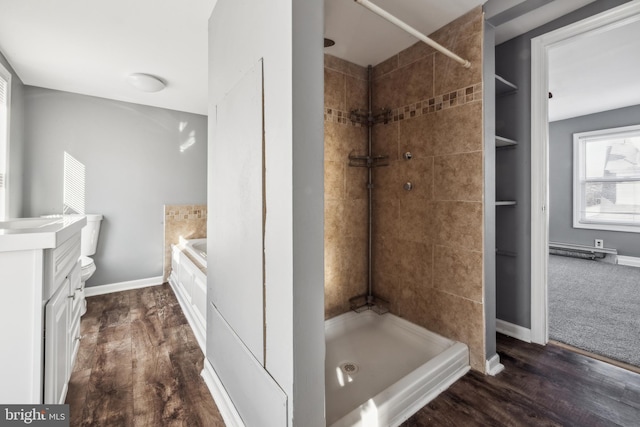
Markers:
point(381, 369)
point(188, 279)
point(197, 248)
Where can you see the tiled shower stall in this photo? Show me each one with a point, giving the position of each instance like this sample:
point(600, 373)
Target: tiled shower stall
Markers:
point(427, 242)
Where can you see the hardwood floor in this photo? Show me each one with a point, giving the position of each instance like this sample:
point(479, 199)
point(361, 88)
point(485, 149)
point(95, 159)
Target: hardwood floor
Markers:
point(540, 386)
point(139, 365)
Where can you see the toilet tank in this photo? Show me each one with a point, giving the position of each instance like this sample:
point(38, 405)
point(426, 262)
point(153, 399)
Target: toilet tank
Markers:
point(90, 234)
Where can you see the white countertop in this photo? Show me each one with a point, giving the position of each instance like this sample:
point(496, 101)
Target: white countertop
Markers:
point(38, 233)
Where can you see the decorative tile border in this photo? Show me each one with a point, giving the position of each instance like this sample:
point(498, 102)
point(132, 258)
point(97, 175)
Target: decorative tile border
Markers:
point(185, 212)
point(336, 116)
point(456, 98)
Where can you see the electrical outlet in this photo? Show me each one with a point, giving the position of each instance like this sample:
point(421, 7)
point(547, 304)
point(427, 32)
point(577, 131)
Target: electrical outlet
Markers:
point(599, 243)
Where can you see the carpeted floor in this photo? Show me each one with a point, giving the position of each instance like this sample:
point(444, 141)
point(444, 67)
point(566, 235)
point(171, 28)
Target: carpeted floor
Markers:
point(595, 306)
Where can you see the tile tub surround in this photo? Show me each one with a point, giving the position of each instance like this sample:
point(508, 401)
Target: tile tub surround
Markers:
point(187, 221)
point(428, 242)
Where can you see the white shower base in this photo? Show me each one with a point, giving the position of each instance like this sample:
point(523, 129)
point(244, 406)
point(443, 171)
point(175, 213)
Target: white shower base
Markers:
point(400, 368)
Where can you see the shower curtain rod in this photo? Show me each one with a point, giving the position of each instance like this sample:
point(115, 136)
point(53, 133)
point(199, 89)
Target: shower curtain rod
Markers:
point(409, 29)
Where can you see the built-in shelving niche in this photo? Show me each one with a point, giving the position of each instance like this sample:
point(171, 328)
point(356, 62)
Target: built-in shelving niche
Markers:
point(503, 88)
point(501, 141)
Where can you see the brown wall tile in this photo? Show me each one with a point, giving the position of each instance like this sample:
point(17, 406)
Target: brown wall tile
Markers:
point(456, 318)
point(420, 173)
point(340, 140)
point(414, 264)
point(334, 225)
point(356, 94)
point(334, 90)
point(458, 271)
point(417, 135)
point(385, 66)
point(355, 218)
point(467, 25)
point(413, 53)
point(386, 218)
point(356, 182)
point(345, 67)
point(459, 224)
point(334, 180)
point(415, 220)
point(385, 140)
point(345, 272)
point(450, 136)
point(411, 83)
point(459, 177)
point(450, 75)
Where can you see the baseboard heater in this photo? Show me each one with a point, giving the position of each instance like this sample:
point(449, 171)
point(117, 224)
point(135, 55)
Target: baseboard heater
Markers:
point(579, 251)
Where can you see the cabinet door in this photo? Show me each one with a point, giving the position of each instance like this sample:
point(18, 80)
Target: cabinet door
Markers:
point(75, 291)
point(56, 353)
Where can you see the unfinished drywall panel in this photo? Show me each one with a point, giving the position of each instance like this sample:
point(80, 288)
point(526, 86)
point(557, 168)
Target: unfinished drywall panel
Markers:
point(285, 36)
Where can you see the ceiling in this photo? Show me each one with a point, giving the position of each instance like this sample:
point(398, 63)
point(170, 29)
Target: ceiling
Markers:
point(514, 17)
point(90, 47)
point(364, 38)
point(595, 73)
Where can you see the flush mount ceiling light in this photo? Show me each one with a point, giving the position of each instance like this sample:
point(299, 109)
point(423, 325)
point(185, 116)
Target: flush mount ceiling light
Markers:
point(145, 82)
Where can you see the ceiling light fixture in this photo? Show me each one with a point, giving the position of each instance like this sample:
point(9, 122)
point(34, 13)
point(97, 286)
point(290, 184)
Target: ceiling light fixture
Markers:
point(146, 82)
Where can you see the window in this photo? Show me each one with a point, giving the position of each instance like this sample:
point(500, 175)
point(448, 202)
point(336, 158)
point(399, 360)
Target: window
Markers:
point(5, 89)
point(606, 179)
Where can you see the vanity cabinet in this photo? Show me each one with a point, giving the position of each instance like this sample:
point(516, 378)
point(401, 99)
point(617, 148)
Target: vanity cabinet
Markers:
point(57, 321)
point(40, 315)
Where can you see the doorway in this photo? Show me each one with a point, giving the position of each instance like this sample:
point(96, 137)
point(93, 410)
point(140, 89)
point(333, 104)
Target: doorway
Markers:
point(540, 57)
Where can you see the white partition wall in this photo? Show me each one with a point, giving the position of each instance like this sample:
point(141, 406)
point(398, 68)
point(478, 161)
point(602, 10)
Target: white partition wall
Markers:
point(265, 315)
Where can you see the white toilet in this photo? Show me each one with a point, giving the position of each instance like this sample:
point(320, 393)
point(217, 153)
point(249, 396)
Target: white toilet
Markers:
point(88, 245)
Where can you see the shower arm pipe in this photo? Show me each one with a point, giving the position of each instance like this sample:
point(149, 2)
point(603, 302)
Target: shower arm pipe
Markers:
point(409, 29)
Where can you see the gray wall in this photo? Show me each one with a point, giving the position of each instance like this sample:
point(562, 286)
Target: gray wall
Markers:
point(16, 142)
point(134, 166)
point(561, 175)
point(513, 169)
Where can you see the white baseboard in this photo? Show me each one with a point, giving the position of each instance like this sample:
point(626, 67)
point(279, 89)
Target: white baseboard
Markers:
point(515, 331)
point(228, 411)
point(494, 367)
point(629, 260)
point(122, 286)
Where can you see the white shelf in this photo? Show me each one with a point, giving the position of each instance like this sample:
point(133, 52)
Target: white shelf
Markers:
point(501, 141)
point(505, 202)
point(504, 87)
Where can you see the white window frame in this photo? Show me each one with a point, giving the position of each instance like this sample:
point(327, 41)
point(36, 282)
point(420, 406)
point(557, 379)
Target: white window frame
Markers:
point(4, 146)
point(579, 142)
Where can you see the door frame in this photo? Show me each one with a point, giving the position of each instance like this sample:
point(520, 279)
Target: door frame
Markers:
point(540, 46)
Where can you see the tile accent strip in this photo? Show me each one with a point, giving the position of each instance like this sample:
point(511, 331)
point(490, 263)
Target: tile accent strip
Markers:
point(185, 212)
point(458, 97)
